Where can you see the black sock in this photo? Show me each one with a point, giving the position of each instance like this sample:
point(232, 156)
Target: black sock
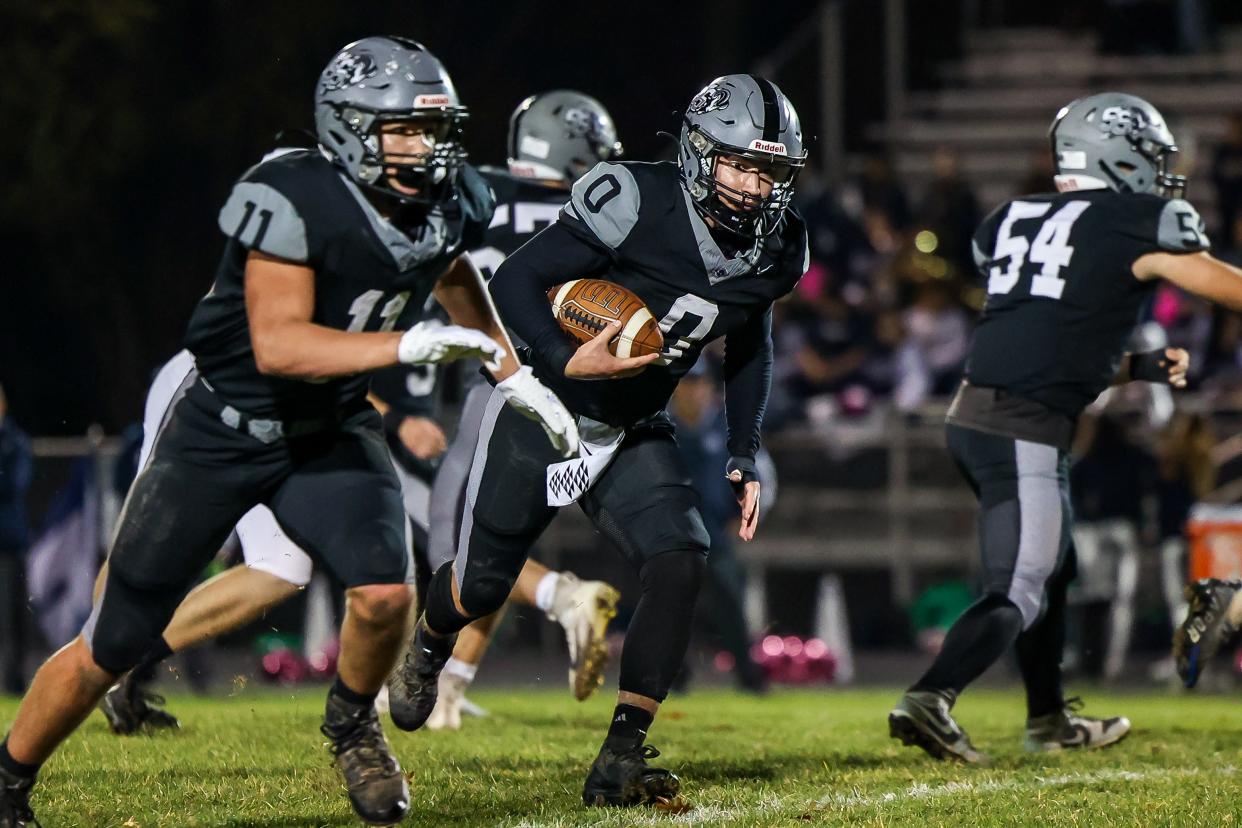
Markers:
point(629, 725)
point(8, 763)
point(342, 691)
point(1040, 650)
point(144, 670)
point(975, 642)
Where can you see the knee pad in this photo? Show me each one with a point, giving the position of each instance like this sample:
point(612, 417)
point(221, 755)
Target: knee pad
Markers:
point(482, 593)
point(127, 623)
point(679, 572)
point(1022, 595)
point(441, 614)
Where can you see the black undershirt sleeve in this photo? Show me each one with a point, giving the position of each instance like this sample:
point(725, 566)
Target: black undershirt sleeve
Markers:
point(748, 378)
point(520, 287)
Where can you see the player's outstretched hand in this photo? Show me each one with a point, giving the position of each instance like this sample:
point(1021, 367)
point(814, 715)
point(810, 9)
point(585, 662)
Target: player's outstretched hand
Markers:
point(742, 473)
point(592, 360)
point(1164, 366)
point(433, 341)
point(536, 401)
point(1179, 364)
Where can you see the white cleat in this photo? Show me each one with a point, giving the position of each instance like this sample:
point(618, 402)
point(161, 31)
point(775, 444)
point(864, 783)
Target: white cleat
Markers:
point(447, 712)
point(583, 609)
point(1065, 729)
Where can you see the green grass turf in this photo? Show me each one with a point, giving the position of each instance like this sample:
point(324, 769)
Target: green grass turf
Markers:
point(257, 759)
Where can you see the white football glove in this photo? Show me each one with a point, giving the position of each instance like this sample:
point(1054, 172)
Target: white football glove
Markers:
point(536, 401)
point(433, 341)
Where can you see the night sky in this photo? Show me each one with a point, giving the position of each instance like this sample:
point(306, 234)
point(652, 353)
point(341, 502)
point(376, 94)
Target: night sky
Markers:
point(125, 123)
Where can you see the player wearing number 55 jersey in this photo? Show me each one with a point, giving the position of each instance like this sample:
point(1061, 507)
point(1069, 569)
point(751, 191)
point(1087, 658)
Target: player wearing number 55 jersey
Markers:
point(330, 256)
point(1067, 276)
point(708, 245)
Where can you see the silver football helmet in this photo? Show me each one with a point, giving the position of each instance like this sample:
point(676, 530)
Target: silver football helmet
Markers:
point(1117, 141)
point(560, 135)
point(383, 79)
point(747, 117)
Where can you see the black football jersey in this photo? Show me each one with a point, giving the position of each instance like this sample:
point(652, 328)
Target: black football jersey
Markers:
point(371, 273)
point(523, 208)
point(649, 238)
point(1062, 299)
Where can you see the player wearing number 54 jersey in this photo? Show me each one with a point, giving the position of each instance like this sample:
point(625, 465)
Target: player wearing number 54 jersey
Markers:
point(1067, 276)
point(708, 245)
point(329, 258)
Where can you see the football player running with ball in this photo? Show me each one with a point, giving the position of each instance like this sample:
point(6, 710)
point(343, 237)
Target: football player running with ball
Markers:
point(708, 244)
point(331, 256)
point(1067, 276)
point(554, 139)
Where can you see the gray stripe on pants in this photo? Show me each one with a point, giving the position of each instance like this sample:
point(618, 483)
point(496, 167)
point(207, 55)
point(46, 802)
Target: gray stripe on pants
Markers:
point(448, 491)
point(494, 404)
point(1039, 526)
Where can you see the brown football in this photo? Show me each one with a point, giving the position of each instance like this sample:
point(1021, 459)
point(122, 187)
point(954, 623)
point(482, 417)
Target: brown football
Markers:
point(584, 307)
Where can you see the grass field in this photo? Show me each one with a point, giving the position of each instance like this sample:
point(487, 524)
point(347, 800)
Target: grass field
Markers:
point(794, 758)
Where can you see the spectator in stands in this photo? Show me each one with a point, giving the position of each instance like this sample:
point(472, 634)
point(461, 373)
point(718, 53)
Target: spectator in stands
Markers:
point(876, 201)
point(830, 345)
point(702, 443)
point(1227, 178)
point(940, 329)
point(838, 241)
point(950, 210)
point(15, 470)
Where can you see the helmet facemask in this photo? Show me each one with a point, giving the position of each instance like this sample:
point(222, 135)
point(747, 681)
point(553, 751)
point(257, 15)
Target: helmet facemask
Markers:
point(745, 214)
point(432, 173)
point(1168, 185)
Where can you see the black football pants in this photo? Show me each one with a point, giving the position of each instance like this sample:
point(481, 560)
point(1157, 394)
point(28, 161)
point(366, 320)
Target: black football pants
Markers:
point(1028, 563)
point(333, 492)
point(643, 502)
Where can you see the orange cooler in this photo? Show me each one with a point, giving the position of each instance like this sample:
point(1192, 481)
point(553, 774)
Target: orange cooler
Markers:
point(1215, 535)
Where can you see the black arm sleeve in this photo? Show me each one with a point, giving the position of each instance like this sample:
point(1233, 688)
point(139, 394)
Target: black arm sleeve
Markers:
point(748, 378)
point(520, 287)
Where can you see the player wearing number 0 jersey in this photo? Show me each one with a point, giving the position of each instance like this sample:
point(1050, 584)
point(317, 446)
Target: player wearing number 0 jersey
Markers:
point(1067, 277)
point(329, 257)
point(708, 244)
point(554, 138)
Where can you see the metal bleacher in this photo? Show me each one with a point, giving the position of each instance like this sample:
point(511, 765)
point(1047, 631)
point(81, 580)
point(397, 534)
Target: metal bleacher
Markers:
point(993, 106)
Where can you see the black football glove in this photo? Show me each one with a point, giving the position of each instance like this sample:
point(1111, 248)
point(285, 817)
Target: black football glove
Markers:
point(750, 472)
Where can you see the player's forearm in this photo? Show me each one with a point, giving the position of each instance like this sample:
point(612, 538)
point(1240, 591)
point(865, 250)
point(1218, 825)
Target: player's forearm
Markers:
point(521, 285)
point(748, 381)
point(462, 294)
point(306, 351)
point(1199, 273)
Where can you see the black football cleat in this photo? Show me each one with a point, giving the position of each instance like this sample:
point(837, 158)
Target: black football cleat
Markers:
point(414, 685)
point(922, 718)
point(129, 708)
point(15, 809)
point(621, 777)
point(377, 788)
point(1206, 626)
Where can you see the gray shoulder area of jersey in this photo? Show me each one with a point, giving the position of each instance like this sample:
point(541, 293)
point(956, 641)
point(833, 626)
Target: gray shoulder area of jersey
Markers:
point(1181, 228)
point(606, 200)
point(260, 217)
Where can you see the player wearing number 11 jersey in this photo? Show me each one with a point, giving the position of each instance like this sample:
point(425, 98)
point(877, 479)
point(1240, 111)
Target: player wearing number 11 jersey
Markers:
point(708, 245)
point(330, 256)
point(1067, 277)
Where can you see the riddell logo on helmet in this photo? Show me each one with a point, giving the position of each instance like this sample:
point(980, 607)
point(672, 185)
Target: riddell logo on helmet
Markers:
point(767, 146)
point(433, 100)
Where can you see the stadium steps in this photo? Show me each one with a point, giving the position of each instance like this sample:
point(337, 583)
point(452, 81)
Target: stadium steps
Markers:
point(996, 102)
